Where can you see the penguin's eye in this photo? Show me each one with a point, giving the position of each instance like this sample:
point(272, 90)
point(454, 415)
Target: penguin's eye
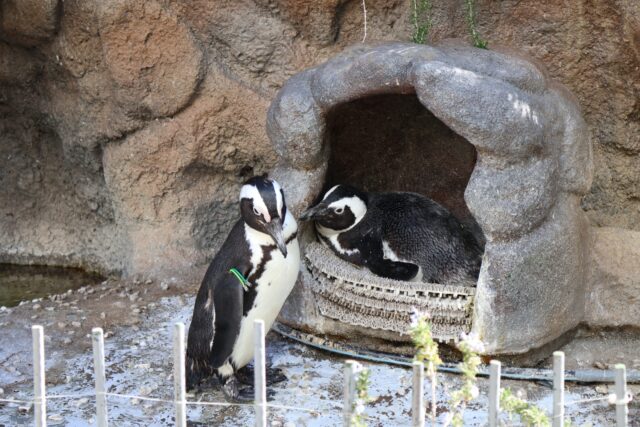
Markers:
point(256, 212)
point(338, 210)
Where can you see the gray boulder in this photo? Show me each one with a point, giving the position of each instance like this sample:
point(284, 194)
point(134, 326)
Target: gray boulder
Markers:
point(534, 163)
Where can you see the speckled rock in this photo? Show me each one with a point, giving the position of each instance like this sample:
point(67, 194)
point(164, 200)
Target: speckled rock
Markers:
point(16, 65)
point(153, 58)
point(204, 152)
point(29, 22)
point(614, 291)
point(533, 165)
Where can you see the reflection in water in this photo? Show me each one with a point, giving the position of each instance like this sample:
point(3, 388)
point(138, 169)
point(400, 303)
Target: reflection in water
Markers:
point(27, 282)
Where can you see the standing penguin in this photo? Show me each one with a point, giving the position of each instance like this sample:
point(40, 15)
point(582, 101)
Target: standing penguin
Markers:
point(402, 236)
point(249, 278)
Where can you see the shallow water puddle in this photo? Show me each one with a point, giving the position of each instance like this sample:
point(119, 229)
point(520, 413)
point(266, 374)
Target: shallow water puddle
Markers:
point(28, 282)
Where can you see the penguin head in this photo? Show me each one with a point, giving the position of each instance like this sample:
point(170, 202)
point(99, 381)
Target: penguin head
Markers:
point(341, 208)
point(263, 208)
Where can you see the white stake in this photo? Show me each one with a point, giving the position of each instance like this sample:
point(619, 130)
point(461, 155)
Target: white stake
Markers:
point(494, 392)
point(179, 381)
point(97, 339)
point(260, 377)
point(434, 398)
point(558, 389)
point(622, 410)
point(40, 402)
point(417, 407)
point(351, 369)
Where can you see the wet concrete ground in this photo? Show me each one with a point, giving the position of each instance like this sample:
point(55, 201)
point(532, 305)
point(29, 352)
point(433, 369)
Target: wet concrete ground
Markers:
point(138, 319)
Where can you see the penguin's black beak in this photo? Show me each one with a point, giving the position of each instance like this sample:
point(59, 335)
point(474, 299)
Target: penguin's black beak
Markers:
point(314, 212)
point(274, 228)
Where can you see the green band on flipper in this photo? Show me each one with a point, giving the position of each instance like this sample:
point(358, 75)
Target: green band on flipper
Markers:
point(243, 281)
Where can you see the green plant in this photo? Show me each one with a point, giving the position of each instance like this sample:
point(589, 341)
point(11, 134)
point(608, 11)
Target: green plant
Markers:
point(530, 415)
point(469, 345)
point(358, 419)
point(426, 347)
point(426, 351)
point(471, 21)
point(421, 20)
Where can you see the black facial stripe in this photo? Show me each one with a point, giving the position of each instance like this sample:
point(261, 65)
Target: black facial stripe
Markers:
point(249, 217)
point(283, 212)
point(335, 221)
point(246, 202)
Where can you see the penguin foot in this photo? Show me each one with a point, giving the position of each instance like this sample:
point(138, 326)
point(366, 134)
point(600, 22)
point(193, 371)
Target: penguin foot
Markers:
point(275, 375)
point(246, 375)
point(234, 392)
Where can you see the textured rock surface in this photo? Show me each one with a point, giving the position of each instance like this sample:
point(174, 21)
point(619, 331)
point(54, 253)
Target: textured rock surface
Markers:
point(29, 22)
point(152, 57)
point(88, 87)
point(614, 294)
point(533, 165)
point(174, 182)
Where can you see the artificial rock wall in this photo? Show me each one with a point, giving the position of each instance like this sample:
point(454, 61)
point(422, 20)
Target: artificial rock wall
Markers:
point(126, 127)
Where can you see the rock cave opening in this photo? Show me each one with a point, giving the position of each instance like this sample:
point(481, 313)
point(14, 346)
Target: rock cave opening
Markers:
point(393, 143)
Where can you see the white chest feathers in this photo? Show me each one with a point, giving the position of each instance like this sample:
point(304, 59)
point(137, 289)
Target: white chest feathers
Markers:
point(279, 275)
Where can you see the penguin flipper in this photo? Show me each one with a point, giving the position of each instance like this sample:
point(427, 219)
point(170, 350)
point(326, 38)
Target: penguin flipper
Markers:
point(396, 270)
point(215, 323)
point(199, 339)
point(228, 301)
point(376, 261)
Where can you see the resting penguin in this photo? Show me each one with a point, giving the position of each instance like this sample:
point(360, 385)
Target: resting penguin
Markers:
point(249, 278)
point(402, 236)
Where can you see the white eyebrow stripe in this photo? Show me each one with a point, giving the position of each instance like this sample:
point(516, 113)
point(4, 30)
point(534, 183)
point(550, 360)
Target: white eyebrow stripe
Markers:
point(251, 192)
point(330, 191)
point(279, 201)
point(341, 203)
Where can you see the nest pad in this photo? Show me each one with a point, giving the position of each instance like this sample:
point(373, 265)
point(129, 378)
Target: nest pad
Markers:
point(356, 296)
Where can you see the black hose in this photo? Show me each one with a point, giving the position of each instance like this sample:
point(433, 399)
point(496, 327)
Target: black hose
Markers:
point(521, 374)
